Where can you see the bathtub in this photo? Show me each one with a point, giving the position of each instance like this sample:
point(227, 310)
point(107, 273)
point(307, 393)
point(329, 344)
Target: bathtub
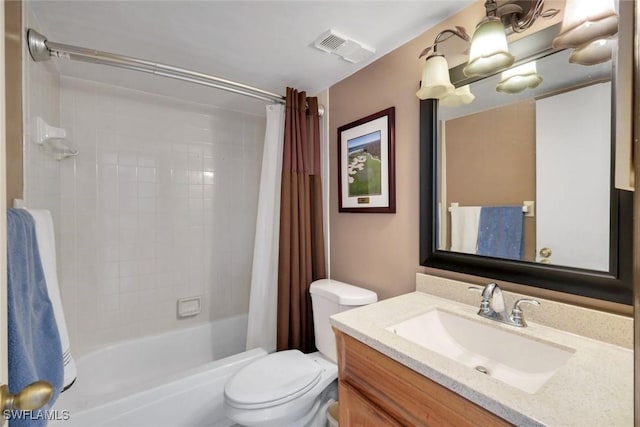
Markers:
point(173, 379)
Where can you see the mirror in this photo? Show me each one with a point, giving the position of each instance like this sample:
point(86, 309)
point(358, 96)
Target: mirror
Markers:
point(546, 150)
point(519, 187)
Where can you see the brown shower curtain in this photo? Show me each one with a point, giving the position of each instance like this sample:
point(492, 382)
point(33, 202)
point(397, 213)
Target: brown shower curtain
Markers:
point(301, 258)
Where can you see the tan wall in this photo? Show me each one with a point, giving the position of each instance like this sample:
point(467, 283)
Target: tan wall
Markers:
point(380, 251)
point(492, 162)
point(13, 89)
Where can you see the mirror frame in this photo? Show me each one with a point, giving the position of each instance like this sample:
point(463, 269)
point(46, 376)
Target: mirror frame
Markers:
point(615, 285)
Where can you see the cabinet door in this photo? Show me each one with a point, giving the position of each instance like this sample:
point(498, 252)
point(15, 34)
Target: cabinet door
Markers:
point(399, 395)
point(359, 412)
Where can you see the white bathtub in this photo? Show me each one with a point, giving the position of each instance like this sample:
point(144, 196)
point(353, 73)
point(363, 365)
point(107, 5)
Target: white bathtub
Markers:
point(174, 379)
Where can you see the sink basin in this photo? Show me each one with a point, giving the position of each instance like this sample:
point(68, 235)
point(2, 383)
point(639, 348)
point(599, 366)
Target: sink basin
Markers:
point(512, 358)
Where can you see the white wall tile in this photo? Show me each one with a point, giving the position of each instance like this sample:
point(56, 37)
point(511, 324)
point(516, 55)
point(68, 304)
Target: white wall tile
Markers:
point(159, 205)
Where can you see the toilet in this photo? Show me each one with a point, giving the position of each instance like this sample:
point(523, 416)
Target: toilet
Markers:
point(290, 388)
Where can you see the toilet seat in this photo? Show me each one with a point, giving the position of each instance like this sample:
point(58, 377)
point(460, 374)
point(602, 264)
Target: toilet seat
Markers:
point(273, 380)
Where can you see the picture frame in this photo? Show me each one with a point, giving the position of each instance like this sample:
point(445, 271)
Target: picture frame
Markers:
point(366, 164)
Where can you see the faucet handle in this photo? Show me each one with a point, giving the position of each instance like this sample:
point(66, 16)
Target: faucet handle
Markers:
point(477, 289)
point(516, 306)
point(516, 313)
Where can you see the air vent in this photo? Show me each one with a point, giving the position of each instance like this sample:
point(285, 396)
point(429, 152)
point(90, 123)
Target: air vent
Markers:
point(330, 43)
point(350, 50)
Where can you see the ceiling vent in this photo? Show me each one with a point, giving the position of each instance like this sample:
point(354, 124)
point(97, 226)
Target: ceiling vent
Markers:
point(350, 50)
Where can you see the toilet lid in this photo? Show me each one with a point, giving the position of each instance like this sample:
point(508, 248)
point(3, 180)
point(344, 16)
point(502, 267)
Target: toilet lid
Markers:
point(275, 379)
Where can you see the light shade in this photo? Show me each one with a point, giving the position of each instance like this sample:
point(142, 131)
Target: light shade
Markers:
point(593, 53)
point(586, 21)
point(460, 96)
point(517, 79)
point(489, 51)
point(436, 83)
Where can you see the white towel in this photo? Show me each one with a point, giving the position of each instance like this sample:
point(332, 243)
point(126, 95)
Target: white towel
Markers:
point(47, 248)
point(464, 228)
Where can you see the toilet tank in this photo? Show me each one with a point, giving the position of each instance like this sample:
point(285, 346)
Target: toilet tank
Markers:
point(329, 297)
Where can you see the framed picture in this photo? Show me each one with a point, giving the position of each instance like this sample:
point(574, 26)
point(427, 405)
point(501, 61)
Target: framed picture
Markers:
point(366, 164)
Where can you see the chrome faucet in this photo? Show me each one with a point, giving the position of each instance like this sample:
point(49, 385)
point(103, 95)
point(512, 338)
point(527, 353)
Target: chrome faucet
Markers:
point(493, 306)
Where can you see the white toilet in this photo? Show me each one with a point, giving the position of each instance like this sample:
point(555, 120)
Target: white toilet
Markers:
point(290, 388)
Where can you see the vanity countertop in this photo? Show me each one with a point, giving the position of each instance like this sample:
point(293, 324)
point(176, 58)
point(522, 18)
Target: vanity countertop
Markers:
point(594, 387)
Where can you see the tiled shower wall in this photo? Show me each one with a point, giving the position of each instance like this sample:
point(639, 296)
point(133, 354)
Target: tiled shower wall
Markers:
point(41, 99)
point(160, 204)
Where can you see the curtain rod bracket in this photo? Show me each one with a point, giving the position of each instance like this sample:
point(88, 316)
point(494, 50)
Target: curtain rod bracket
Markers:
point(37, 46)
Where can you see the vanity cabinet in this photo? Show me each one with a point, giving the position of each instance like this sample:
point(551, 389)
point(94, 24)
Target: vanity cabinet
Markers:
point(377, 391)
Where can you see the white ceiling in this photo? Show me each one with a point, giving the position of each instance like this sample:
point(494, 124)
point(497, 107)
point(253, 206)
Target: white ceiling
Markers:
point(261, 43)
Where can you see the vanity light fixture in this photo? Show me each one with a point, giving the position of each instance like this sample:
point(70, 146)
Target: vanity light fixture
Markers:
point(489, 51)
point(460, 96)
point(436, 83)
point(585, 22)
point(589, 27)
point(517, 79)
point(594, 53)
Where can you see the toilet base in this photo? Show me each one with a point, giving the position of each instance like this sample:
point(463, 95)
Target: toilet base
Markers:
point(317, 415)
point(313, 415)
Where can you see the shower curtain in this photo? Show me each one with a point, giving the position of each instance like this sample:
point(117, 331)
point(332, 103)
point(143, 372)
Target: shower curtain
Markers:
point(301, 258)
point(261, 329)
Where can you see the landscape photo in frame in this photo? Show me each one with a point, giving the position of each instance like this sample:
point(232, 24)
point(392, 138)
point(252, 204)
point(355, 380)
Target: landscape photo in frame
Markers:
point(366, 159)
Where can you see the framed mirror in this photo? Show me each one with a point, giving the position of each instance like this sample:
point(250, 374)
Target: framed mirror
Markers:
point(520, 187)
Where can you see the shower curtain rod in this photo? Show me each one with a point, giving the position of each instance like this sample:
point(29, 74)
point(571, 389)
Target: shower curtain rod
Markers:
point(42, 49)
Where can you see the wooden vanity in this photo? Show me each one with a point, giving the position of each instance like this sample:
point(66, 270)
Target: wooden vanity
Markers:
point(386, 379)
point(378, 391)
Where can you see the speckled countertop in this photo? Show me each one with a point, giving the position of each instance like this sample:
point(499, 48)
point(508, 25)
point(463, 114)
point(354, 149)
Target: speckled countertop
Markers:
point(594, 388)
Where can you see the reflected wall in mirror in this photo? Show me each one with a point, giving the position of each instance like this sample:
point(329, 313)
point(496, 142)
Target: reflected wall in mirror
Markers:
point(519, 187)
point(540, 159)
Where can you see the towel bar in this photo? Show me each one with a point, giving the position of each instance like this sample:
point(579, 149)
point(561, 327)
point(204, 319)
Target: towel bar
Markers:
point(528, 207)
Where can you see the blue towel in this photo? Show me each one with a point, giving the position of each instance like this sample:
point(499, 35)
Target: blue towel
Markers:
point(500, 232)
point(35, 352)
